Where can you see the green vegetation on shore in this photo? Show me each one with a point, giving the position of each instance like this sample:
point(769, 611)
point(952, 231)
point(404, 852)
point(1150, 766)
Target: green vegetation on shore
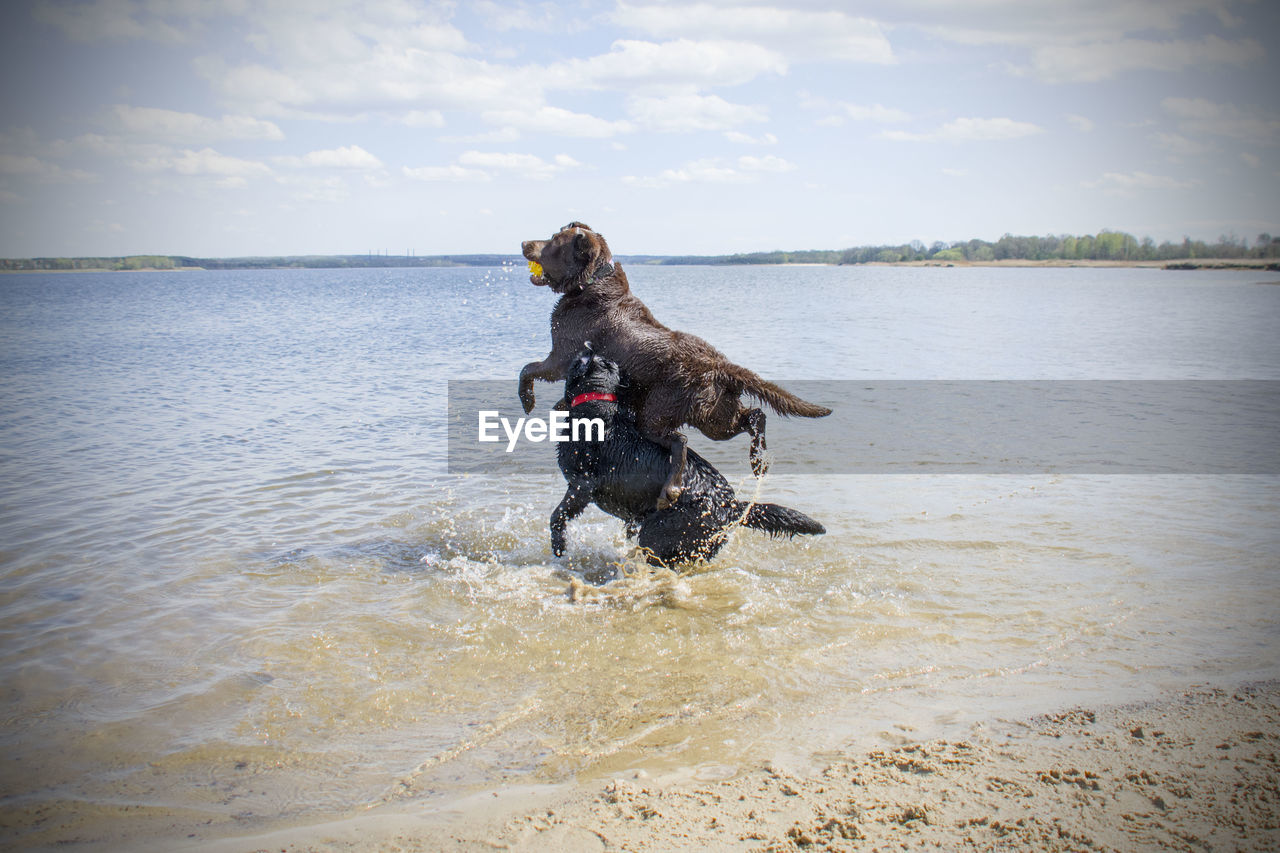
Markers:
point(1106, 246)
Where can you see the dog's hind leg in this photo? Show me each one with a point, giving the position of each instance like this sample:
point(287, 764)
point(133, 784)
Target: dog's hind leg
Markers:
point(678, 536)
point(752, 421)
point(575, 500)
point(730, 418)
point(678, 448)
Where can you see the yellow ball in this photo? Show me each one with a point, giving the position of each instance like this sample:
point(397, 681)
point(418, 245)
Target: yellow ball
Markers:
point(535, 268)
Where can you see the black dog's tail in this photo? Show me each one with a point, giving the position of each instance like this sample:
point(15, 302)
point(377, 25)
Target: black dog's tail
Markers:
point(777, 520)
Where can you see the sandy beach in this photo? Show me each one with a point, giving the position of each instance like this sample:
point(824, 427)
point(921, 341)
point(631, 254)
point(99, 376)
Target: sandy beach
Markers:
point(1194, 771)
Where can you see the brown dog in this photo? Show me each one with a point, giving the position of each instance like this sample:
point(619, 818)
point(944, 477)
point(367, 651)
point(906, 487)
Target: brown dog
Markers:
point(676, 378)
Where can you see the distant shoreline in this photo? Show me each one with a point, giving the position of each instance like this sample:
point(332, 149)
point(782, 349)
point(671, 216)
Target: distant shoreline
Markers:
point(649, 260)
point(1107, 248)
point(1187, 264)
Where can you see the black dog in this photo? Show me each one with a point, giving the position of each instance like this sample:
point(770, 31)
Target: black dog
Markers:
point(624, 474)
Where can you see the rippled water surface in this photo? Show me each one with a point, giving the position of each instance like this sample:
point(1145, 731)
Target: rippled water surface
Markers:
point(237, 583)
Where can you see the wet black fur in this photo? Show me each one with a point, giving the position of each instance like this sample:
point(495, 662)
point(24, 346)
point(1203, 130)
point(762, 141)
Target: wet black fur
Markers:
point(624, 474)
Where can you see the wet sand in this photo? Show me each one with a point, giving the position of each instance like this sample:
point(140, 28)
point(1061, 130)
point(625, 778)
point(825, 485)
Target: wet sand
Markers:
point(1196, 771)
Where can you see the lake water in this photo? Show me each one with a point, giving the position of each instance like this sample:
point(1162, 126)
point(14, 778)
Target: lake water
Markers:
point(238, 584)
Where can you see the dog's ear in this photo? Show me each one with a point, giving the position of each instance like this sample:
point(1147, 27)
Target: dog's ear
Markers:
point(582, 246)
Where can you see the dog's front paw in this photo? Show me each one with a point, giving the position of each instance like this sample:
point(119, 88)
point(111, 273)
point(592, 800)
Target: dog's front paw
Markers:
point(557, 545)
point(526, 399)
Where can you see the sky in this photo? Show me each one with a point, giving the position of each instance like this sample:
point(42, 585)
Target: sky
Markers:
point(221, 128)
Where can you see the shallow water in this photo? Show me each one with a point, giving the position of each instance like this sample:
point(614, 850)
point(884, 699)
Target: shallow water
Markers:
point(237, 581)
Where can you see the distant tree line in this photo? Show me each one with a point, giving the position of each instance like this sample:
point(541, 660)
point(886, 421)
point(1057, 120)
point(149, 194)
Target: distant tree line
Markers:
point(132, 262)
point(815, 256)
point(1104, 246)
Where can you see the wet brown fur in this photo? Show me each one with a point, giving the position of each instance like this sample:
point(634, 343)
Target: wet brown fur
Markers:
point(676, 378)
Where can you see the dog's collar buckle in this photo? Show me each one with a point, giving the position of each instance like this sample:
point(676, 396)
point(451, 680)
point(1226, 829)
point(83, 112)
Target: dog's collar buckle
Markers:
point(592, 396)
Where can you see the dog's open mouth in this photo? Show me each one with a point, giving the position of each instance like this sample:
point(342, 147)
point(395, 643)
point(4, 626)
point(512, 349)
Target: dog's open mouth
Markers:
point(535, 274)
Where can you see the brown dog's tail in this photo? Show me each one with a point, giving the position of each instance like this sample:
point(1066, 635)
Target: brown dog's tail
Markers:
point(776, 397)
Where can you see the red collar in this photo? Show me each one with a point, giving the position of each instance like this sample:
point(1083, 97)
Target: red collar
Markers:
point(591, 396)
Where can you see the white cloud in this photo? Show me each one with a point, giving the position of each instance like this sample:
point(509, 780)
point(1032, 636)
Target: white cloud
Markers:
point(969, 130)
point(799, 33)
point(674, 65)
point(1016, 22)
point(542, 17)
point(525, 165)
point(713, 170)
point(1087, 40)
point(310, 188)
point(1088, 63)
point(768, 163)
point(557, 121)
point(1194, 109)
point(841, 112)
point(105, 19)
point(741, 138)
point(110, 147)
point(345, 157)
point(1202, 116)
point(481, 165)
point(29, 166)
point(1126, 183)
point(422, 118)
point(875, 113)
point(1080, 123)
point(326, 61)
point(205, 162)
point(1178, 145)
point(452, 172)
point(707, 170)
point(171, 126)
point(690, 112)
point(501, 135)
